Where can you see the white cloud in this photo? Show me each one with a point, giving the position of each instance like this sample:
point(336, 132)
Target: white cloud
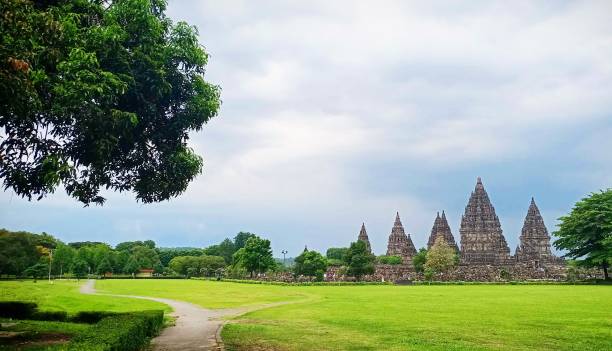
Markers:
point(327, 103)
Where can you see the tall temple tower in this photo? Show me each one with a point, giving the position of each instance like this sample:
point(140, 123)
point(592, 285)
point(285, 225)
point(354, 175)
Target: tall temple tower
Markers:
point(441, 229)
point(482, 241)
point(363, 236)
point(534, 244)
point(400, 244)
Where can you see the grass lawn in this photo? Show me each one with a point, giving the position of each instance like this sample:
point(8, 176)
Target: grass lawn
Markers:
point(478, 317)
point(64, 295)
point(206, 293)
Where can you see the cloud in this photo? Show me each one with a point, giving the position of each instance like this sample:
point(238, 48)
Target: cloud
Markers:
point(340, 112)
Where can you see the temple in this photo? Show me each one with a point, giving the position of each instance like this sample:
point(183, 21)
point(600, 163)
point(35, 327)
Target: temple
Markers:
point(482, 241)
point(441, 229)
point(400, 244)
point(484, 254)
point(534, 246)
point(363, 236)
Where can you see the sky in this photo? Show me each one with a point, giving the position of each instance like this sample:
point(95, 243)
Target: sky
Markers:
point(341, 112)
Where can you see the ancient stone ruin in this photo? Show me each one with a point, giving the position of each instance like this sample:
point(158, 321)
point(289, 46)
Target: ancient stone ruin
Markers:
point(484, 253)
point(363, 236)
point(482, 241)
point(441, 229)
point(400, 244)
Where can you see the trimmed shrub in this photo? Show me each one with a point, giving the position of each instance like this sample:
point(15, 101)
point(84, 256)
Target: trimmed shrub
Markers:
point(125, 332)
point(57, 316)
point(91, 317)
point(17, 309)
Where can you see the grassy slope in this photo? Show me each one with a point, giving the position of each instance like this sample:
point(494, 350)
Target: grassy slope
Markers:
point(65, 295)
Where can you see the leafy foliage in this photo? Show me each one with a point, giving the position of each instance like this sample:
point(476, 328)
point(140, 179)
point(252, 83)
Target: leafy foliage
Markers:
point(255, 256)
point(310, 264)
point(418, 261)
point(440, 257)
point(337, 253)
point(359, 261)
point(197, 265)
point(587, 231)
point(100, 94)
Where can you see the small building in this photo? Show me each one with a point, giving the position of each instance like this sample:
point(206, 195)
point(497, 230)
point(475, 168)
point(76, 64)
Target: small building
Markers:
point(146, 272)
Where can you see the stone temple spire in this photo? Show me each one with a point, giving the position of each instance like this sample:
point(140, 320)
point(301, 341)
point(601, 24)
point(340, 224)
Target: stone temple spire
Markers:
point(441, 229)
point(534, 244)
point(400, 244)
point(482, 241)
point(363, 236)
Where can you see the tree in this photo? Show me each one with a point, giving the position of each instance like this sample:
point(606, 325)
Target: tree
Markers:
point(255, 256)
point(131, 266)
point(336, 253)
point(360, 262)
point(224, 249)
point(310, 264)
point(19, 250)
point(586, 232)
point(240, 240)
point(145, 256)
point(36, 271)
point(104, 267)
point(440, 257)
point(100, 94)
point(196, 265)
point(63, 258)
point(418, 261)
point(392, 260)
point(80, 268)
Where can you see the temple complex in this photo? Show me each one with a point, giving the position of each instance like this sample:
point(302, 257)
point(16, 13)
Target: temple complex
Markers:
point(482, 241)
point(363, 236)
point(484, 253)
point(441, 229)
point(534, 246)
point(400, 244)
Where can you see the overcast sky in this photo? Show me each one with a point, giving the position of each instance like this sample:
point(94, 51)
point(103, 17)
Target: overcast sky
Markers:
point(341, 112)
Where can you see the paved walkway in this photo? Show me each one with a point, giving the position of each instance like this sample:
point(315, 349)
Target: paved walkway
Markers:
point(196, 328)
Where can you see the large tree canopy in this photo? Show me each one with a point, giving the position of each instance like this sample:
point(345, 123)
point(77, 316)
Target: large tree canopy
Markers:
point(587, 231)
point(99, 94)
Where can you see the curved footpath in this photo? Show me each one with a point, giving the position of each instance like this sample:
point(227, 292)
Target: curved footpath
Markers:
point(196, 328)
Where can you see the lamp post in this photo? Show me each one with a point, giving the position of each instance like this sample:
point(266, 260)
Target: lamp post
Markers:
point(284, 252)
point(50, 262)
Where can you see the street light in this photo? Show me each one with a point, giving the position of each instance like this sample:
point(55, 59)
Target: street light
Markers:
point(284, 252)
point(50, 262)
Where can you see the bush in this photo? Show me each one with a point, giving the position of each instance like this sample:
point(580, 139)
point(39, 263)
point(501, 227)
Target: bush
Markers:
point(335, 262)
point(17, 309)
point(91, 317)
point(129, 331)
point(57, 316)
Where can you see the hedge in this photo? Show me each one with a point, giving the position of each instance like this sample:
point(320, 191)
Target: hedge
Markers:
point(120, 332)
point(265, 282)
point(91, 317)
point(17, 309)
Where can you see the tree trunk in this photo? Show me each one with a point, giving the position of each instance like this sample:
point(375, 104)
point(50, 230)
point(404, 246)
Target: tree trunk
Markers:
point(605, 269)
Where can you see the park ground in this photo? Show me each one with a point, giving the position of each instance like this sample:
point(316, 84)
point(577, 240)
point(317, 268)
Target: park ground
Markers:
point(475, 317)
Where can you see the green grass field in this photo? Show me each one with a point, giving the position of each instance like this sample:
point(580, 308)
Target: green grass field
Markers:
point(478, 317)
point(64, 295)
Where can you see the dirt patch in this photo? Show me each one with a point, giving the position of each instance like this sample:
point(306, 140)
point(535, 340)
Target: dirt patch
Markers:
point(23, 340)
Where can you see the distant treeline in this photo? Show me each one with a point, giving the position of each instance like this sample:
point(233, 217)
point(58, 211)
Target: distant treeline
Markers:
point(25, 254)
